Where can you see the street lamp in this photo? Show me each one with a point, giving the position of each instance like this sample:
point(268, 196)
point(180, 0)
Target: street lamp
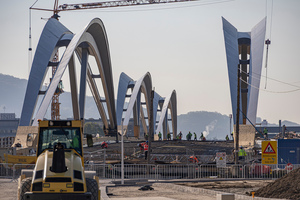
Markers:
point(122, 153)
point(230, 117)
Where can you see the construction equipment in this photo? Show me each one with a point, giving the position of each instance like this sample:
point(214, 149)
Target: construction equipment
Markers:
point(105, 4)
point(59, 171)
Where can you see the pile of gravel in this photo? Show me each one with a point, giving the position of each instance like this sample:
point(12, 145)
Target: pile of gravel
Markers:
point(287, 187)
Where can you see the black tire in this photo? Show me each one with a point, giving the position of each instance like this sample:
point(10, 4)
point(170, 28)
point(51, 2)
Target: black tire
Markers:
point(92, 187)
point(25, 187)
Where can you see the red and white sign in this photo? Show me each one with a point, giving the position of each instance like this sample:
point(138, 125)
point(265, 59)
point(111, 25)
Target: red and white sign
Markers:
point(289, 167)
point(269, 149)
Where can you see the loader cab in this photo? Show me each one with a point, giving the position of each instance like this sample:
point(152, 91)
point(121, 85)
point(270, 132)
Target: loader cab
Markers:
point(66, 133)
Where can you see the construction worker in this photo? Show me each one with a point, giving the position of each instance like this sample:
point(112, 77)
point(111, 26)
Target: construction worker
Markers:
point(146, 149)
point(104, 145)
point(169, 136)
point(159, 136)
point(201, 136)
point(180, 135)
point(227, 138)
point(231, 135)
point(193, 159)
point(141, 145)
point(266, 133)
point(195, 136)
point(242, 153)
point(189, 136)
point(75, 142)
point(146, 136)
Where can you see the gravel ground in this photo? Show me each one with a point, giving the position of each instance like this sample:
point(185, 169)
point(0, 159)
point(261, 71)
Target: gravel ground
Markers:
point(132, 191)
point(8, 189)
point(243, 187)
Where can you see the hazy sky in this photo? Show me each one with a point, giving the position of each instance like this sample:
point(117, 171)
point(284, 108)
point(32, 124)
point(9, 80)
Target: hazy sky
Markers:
point(180, 44)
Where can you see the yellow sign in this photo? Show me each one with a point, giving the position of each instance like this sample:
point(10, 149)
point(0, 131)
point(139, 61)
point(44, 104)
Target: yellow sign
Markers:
point(269, 152)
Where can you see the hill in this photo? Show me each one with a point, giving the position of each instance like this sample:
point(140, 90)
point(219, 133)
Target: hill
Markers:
point(213, 125)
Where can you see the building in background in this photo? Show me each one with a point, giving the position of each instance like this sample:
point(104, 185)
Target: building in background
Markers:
point(8, 129)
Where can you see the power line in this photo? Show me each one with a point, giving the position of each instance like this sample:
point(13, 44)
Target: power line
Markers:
point(289, 91)
point(270, 79)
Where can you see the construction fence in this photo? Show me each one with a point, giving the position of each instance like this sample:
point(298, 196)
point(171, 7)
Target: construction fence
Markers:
point(158, 172)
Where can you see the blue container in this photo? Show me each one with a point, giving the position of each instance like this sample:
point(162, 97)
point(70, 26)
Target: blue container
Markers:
point(288, 151)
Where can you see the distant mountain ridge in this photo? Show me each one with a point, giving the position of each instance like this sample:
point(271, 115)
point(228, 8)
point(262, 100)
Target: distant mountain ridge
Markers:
point(215, 124)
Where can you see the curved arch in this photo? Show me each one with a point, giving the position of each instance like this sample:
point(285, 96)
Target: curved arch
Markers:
point(92, 40)
point(124, 84)
point(144, 85)
point(50, 37)
point(169, 103)
point(157, 107)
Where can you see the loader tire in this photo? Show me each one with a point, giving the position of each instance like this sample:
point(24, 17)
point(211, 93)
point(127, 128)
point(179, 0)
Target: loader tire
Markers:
point(92, 187)
point(25, 187)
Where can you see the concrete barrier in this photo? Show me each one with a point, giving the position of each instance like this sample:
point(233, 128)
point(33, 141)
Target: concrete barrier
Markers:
point(225, 196)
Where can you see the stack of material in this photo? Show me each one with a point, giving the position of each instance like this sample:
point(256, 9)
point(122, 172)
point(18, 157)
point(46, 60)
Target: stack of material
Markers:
point(287, 187)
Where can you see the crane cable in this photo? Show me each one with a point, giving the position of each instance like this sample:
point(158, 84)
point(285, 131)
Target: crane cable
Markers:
point(268, 41)
point(30, 41)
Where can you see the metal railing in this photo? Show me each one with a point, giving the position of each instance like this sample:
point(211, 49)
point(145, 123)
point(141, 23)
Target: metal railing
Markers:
point(169, 171)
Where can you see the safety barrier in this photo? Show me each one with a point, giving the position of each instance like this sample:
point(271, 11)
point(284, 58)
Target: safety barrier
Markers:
point(6, 170)
point(170, 171)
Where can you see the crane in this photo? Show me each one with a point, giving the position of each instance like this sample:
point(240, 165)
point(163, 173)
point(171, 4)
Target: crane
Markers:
point(106, 4)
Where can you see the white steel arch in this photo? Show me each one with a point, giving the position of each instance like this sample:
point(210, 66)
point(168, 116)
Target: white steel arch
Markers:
point(92, 40)
point(143, 85)
point(169, 103)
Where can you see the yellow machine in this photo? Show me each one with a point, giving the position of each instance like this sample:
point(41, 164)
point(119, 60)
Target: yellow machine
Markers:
point(59, 171)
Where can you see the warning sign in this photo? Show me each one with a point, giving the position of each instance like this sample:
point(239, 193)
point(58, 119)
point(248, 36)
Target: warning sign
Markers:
point(269, 152)
point(221, 159)
point(269, 149)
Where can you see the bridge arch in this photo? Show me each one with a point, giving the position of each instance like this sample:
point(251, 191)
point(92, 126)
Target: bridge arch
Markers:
point(142, 86)
point(170, 103)
point(92, 40)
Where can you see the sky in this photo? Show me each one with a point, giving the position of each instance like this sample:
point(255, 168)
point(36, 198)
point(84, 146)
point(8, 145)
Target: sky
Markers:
point(180, 44)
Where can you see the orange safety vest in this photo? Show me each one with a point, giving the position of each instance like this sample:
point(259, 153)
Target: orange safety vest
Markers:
point(146, 147)
point(193, 159)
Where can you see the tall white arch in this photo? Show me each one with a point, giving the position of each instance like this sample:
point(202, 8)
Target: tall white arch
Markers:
point(169, 103)
point(143, 85)
point(52, 33)
point(92, 40)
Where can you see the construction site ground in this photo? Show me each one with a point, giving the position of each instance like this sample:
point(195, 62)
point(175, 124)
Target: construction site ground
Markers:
point(133, 154)
point(208, 189)
point(174, 189)
point(161, 191)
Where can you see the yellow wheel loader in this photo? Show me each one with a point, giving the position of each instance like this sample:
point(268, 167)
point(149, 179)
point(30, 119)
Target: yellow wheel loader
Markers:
point(59, 171)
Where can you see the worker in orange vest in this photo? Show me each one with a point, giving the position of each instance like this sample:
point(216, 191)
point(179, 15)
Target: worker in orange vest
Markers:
point(193, 159)
point(146, 149)
point(141, 145)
